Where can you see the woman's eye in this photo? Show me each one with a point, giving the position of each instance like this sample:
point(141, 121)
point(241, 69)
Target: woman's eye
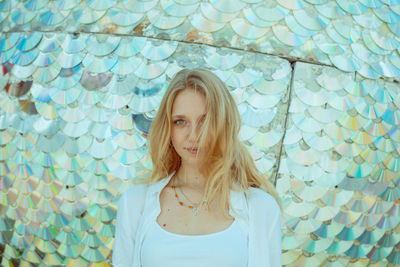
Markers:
point(179, 122)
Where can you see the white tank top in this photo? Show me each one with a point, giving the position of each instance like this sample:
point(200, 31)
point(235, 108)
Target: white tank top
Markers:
point(226, 248)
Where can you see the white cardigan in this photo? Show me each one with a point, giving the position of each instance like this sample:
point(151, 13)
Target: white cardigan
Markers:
point(258, 216)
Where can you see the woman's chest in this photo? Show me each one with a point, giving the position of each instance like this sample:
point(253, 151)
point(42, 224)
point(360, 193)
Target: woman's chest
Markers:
point(180, 219)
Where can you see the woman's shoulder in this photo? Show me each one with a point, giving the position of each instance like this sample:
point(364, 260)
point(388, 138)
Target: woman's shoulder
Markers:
point(135, 192)
point(261, 199)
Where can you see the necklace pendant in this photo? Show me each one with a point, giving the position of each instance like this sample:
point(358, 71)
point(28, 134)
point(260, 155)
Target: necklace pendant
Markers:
point(195, 210)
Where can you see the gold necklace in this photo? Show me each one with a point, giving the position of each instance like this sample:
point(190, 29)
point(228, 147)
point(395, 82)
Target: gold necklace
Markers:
point(193, 206)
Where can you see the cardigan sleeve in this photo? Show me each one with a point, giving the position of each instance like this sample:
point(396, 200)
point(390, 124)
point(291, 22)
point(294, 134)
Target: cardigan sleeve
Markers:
point(265, 230)
point(128, 215)
point(275, 241)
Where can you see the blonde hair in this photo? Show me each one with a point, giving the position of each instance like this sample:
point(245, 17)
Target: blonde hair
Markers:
point(227, 160)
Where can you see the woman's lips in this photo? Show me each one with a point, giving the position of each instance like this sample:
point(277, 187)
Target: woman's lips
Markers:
point(192, 150)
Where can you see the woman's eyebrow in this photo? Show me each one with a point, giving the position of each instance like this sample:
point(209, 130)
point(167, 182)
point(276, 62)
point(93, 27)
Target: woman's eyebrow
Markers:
point(179, 116)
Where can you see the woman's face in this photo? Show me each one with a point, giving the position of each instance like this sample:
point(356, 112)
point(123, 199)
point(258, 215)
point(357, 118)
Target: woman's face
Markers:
point(188, 113)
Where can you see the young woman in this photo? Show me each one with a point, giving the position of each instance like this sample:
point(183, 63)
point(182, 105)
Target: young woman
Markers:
point(204, 204)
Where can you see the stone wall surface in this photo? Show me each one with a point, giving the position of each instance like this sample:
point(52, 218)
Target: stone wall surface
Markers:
point(317, 87)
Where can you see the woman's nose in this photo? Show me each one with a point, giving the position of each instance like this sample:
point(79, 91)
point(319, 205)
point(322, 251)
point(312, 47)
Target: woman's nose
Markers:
point(194, 133)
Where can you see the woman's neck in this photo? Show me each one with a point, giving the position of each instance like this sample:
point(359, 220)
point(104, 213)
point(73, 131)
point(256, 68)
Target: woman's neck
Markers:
point(190, 177)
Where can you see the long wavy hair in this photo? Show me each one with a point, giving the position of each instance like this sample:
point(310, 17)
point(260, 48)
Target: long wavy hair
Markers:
point(227, 160)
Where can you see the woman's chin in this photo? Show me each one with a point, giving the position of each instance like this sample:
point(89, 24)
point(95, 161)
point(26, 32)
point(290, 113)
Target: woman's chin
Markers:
point(191, 160)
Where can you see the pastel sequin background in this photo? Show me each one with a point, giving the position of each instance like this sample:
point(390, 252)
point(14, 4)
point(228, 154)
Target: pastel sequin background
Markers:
point(316, 83)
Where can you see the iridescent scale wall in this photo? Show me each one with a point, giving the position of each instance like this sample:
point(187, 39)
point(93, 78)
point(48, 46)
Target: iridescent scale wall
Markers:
point(316, 83)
